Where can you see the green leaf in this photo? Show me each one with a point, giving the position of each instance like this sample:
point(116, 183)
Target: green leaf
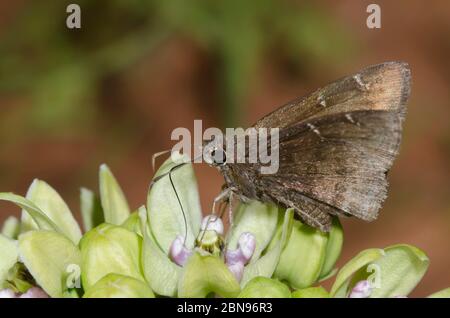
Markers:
point(48, 256)
point(263, 287)
point(110, 249)
point(311, 292)
point(400, 269)
point(445, 293)
point(159, 271)
point(91, 209)
point(334, 247)
point(257, 218)
point(341, 284)
point(164, 212)
point(114, 203)
point(206, 274)
point(36, 214)
point(8, 256)
point(11, 227)
point(302, 259)
point(119, 286)
point(54, 207)
point(266, 265)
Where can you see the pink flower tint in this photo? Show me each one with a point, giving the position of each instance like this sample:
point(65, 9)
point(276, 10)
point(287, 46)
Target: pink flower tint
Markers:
point(362, 289)
point(178, 252)
point(238, 258)
point(34, 292)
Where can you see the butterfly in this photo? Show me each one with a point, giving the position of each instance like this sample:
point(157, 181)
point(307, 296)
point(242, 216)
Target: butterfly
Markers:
point(336, 146)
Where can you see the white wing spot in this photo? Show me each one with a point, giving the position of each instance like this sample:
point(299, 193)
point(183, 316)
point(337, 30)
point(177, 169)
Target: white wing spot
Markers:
point(321, 101)
point(314, 129)
point(361, 85)
point(350, 119)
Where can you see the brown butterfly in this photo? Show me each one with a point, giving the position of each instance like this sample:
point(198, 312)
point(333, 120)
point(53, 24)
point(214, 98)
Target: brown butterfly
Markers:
point(336, 146)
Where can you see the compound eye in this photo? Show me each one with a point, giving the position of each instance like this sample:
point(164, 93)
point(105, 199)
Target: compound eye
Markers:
point(218, 156)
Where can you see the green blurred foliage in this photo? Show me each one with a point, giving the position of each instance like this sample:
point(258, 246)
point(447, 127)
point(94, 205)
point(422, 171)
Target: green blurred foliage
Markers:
point(60, 71)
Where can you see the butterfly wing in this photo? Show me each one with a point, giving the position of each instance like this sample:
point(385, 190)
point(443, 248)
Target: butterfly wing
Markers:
point(384, 86)
point(335, 164)
point(336, 147)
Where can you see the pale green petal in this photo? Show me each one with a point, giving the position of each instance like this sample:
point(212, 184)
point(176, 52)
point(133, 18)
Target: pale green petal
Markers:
point(133, 223)
point(91, 209)
point(445, 293)
point(257, 218)
point(114, 204)
point(334, 247)
point(8, 256)
point(399, 270)
point(11, 227)
point(265, 266)
point(119, 286)
point(110, 249)
point(204, 275)
point(263, 287)
point(38, 217)
point(302, 259)
point(311, 292)
point(340, 286)
point(160, 272)
point(51, 203)
point(49, 256)
point(164, 212)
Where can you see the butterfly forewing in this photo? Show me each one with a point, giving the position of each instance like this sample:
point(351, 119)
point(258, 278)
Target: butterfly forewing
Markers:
point(336, 146)
point(380, 87)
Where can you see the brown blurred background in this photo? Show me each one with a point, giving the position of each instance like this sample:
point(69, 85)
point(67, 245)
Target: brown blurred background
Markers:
point(114, 90)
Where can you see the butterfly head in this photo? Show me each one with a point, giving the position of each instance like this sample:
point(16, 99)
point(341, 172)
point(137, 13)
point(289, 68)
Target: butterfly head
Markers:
point(214, 154)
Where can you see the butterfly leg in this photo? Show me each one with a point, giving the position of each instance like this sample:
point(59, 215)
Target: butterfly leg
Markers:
point(225, 194)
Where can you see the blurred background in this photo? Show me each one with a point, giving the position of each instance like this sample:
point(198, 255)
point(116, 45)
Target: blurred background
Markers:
point(114, 90)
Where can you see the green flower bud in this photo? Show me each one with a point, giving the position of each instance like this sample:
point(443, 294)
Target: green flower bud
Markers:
point(160, 272)
point(267, 263)
point(110, 249)
point(8, 257)
point(50, 258)
point(165, 217)
point(302, 259)
point(263, 287)
point(204, 275)
point(342, 286)
point(53, 206)
point(392, 272)
point(333, 250)
point(114, 204)
point(311, 292)
point(11, 227)
point(119, 286)
point(133, 223)
point(91, 209)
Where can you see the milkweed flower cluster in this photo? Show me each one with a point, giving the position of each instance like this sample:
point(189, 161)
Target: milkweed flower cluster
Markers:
point(156, 250)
